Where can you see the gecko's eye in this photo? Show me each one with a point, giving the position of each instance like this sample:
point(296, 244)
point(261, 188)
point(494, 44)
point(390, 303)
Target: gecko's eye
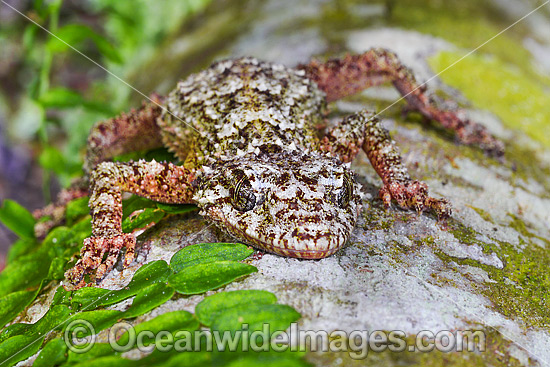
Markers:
point(344, 195)
point(242, 195)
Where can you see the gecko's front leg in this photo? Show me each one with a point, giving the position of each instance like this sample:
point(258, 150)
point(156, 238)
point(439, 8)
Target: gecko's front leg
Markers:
point(363, 131)
point(163, 182)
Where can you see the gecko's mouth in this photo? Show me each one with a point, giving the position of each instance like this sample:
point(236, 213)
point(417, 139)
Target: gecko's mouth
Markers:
point(311, 241)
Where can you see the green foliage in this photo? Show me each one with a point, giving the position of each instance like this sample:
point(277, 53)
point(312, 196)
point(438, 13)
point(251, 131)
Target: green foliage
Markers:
point(208, 252)
point(14, 303)
point(152, 285)
point(17, 218)
point(52, 354)
point(141, 220)
point(74, 35)
point(214, 306)
point(200, 278)
point(171, 321)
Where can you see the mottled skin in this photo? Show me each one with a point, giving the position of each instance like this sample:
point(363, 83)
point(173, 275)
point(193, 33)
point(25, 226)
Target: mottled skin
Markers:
point(254, 160)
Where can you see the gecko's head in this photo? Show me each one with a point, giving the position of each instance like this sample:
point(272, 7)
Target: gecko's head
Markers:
point(287, 203)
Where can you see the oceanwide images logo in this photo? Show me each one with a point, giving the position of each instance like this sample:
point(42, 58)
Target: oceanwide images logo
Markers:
point(80, 337)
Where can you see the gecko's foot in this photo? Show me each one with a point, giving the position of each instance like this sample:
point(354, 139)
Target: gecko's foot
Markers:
point(414, 195)
point(99, 254)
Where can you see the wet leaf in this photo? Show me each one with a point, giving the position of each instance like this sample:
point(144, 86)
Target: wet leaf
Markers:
point(200, 278)
point(208, 252)
point(170, 321)
point(213, 306)
point(52, 354)
point(149, 298)
point(270, 360)
point(150, 273)
point(258, 317)
point(14, 303)
point(176, 208)
point(27, 271)
point(18, 348)
point(21, 247)
point(136, 203)
point(52, 320)
point(108, 361)
point(17, 218)
point(76, 209)
point(142, 220)
point(91, 322)
point(96, 351)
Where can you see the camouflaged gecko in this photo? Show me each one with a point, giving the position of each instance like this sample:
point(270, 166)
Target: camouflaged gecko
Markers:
point(246, 132)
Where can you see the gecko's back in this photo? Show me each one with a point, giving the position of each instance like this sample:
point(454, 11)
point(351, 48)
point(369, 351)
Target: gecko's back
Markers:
point(240, 105)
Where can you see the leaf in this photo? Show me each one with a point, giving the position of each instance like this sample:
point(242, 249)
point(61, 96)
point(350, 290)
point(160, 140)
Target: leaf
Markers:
point(76, 209)
point(136, 203)
point(96, 351)
point(163, 359)
point(52, 320)
point(57, 241)
point(149, 298)
point(57, 269)
point(75, 34)
point(177, 208)
point(17, 218)
point(87, 323)
point(213, 306)
point(52, 354)
point(106, 49)
point(92, 297)
point(108, 361)
point(170, 321)
point(22, 246)
point(208, 252)
point(52, 159)
point(204, 277)
point(270, 360)
point(60, 98)
point(279, 317)
point(61, 297)
point(14, 303)
point(150, 273)
point(18, 348)
point(142, 220)
point(28, 271)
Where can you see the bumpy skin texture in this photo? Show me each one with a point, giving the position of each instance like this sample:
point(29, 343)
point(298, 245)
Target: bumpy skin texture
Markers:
point(247, 132)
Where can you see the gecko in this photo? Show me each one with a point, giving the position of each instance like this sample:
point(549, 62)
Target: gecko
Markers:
point(253, 158)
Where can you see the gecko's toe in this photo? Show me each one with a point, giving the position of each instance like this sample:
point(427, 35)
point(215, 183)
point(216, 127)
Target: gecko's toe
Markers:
point(414, 195)
point(93, 257)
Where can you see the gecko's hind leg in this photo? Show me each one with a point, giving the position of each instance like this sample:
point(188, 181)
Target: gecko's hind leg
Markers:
point(136, 130)
point(342, 77)
point(363, 131)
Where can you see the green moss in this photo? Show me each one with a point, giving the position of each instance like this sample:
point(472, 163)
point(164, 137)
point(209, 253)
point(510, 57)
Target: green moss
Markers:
point(522, 287)
point(518, 101)
point(378, 219)
point(482, 213)
point(496, 353)
point(467, 24)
